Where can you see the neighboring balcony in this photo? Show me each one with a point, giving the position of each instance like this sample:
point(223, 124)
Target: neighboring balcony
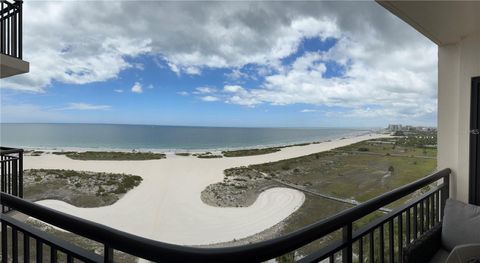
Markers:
point(11, 62)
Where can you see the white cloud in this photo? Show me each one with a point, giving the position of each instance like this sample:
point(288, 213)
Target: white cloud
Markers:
point(138, 66)
point(29, 113)
point(204, 90)
point(308, 110)
point(183, 93)
point(137, 88)
point(192, 70)
point(209, 98)
point(233, 88)
point(386, 64)
point(74, 63)
point(98, 48)
point(174, 68)
point(236, 74)
point(118, 90)
point(398, 83)
point(86, 106)
point(150, 86)
point(72, 52)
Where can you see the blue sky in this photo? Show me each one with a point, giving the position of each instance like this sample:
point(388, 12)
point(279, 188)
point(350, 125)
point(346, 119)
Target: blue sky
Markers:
point(292, 69)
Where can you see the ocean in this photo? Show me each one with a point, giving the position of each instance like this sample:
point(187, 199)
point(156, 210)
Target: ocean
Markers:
point(159, 138)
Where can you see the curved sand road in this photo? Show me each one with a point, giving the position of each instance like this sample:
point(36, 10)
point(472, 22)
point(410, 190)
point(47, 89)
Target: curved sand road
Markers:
point(167, 207)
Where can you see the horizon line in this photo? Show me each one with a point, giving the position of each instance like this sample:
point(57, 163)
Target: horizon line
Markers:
point(204, 126)
point(215, 126)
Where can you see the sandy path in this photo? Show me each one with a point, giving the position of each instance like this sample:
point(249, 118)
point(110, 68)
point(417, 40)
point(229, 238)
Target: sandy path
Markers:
point(167, 207)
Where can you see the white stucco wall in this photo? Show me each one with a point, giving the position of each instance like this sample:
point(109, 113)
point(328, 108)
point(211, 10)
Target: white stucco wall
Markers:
point(457, 64)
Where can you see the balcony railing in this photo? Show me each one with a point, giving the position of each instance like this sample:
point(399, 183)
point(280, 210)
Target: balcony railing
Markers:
point(11, 28)
point(11, 172)
point(377, 241)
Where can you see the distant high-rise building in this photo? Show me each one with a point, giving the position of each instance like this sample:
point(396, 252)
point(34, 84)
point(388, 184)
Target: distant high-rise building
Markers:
point(394, 127)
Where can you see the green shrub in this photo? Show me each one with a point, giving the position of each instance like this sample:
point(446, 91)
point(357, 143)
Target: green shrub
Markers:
point(115, 156)
point(391, 169)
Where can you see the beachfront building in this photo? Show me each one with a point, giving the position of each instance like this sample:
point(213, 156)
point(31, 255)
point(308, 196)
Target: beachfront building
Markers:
point(454, 26)
point(394, 127)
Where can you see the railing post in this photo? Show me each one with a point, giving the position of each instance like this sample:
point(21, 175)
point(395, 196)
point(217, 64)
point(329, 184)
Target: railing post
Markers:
point(14, 245)
point(1, 29)
point(14, 177)
point(20, 26)
point(39, 251)
point(108, 254)
point(445, 194)
point(3, 181)
point(4, 243)
point(20, 174)
point(26, 248)
point(347, 239)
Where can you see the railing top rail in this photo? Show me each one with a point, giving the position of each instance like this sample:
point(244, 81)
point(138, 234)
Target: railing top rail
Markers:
point(8, 150)
point(159, 251)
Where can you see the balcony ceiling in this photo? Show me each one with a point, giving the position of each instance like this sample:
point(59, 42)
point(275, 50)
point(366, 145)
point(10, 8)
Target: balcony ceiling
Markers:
point(444, 22)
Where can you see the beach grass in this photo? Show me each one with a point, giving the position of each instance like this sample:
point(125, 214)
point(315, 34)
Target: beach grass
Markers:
point(353, 174)
point(250, 152)
point(114, 156)
point(182, 154)
point(359, 171)
point(207, 155)
point(63, 152)
point(261, 151)
point(78, 188)
point(33, 152)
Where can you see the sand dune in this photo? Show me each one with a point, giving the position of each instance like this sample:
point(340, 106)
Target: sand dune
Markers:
point(167, 207)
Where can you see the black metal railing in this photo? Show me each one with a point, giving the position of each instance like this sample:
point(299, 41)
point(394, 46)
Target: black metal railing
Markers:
point(11, 172)
point(11, 28)
point(380, 239)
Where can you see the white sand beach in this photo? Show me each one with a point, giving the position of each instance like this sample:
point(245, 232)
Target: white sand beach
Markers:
point(167, 207)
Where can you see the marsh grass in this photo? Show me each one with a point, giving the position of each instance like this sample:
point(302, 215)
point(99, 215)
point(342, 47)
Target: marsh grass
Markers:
point(114, 156)
point(250, 152)
point(78, 188)
point(360, 171)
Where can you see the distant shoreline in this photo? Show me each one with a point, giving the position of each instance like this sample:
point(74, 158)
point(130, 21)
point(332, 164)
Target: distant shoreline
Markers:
point(171, 151)
point(161, 139)
point(181, 180)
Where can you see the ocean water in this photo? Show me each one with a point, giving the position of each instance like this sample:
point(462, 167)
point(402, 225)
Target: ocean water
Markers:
point(161, 138)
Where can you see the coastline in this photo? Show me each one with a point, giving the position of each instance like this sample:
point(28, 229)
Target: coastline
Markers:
point(189, 221)
point(173, 151)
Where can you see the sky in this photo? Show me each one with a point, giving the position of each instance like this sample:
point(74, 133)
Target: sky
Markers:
point(241, 64)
